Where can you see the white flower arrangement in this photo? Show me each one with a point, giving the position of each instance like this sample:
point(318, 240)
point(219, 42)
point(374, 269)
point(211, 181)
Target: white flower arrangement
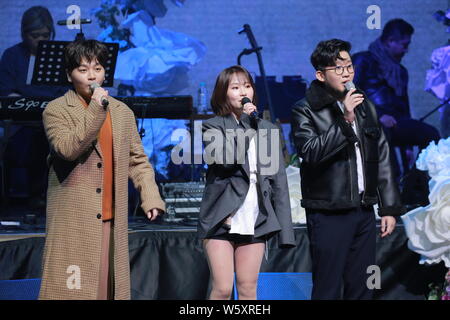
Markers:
point(428, 228)
point(295, 194)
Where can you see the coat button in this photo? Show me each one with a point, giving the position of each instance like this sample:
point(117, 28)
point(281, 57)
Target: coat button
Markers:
point(99, 190)
point(99, 165)
point(265, 193)
point(99, 216)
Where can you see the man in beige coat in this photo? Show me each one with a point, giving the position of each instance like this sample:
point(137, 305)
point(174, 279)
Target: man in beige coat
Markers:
point(86, 254)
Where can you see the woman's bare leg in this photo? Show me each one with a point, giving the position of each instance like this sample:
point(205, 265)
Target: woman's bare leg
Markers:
point(248, 258)
point(220, 259)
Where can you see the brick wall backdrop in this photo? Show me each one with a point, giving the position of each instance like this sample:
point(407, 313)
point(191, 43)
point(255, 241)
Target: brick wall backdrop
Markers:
point(288, 30)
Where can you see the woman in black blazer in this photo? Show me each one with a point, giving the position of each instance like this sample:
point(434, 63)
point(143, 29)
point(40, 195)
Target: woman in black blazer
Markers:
point(246, 198)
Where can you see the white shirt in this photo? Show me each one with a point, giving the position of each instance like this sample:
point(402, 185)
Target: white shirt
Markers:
point(243, 221)
point(359, 165)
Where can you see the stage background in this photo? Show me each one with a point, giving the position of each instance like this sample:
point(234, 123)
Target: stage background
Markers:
point(171, 265)
point(288, 31)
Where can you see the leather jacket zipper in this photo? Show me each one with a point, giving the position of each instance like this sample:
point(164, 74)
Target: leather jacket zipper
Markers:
point(361, 148)
point(361, 151)
point(351, 178)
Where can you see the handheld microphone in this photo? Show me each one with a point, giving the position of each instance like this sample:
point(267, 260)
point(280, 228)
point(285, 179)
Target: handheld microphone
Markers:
point(350, 85)
point(105, 101)
point(254, 114)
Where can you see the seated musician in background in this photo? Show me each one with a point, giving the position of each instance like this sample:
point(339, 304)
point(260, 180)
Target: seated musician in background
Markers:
point(27, 147)
point(380, 74)
point(37, 25)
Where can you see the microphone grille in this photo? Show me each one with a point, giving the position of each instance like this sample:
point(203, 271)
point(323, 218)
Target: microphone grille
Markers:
point(245, 100)
point(94, 85)
point(349, 85)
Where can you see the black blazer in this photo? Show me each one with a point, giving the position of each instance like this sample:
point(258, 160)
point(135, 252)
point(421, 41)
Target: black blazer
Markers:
point(227, 179)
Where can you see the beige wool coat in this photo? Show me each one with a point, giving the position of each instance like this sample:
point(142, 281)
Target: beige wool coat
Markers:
point(71, 260)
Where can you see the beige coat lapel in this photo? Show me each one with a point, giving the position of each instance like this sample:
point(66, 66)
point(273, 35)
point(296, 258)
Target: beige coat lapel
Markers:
point(117, 129)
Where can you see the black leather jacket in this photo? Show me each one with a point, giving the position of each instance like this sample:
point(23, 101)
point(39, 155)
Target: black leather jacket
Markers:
point(325, 142)
point(368, 78)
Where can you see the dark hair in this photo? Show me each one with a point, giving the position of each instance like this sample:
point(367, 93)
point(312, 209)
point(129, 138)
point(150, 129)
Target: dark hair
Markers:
point(36, 18)
point(219, 99)
point(90, 50)
point(327, 52)
point(396, 28)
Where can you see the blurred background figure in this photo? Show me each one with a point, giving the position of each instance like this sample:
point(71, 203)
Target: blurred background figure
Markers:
point(25, 145)
point(18, 61)
point(380, 74)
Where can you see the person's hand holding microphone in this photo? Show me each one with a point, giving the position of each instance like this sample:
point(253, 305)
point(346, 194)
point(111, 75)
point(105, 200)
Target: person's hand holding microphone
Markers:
point(249, 108)
point(351, 101)
point(99, 94)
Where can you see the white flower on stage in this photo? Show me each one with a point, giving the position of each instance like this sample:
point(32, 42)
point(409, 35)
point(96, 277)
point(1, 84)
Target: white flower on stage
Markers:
point(295, 195)
point(161, 60)
point(438, 78)
point(154, 61)
point(428, 228)
point(435, 159)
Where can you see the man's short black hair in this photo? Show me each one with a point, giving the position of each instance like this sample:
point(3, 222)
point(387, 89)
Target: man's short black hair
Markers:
point(396, 28)
point(90, 50)
point(327, 52)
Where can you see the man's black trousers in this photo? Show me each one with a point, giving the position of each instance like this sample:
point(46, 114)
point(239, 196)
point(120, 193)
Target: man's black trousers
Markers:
point(343, 246)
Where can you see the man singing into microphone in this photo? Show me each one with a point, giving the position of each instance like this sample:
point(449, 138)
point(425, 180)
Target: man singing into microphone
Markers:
point(345, 170)
point(95, 148)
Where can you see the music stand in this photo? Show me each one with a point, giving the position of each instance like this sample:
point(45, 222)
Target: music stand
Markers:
point(49, 66)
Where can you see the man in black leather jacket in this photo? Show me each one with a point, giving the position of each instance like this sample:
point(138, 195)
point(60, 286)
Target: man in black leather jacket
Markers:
point(345, 170)
point(385, 81)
